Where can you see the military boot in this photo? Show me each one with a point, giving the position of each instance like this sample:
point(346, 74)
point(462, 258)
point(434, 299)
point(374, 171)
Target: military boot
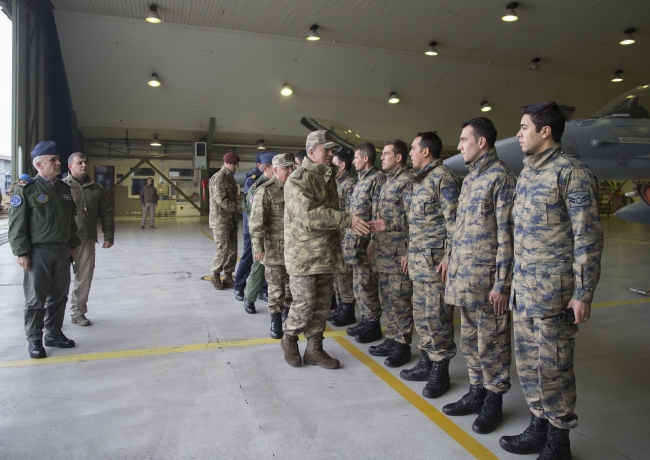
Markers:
point(439, 381)
point(345, 317)
point(471, 403)
point(276, 326)
point(216, 282)
point(354, 330)
point(383, 349)
point(289, 345)
point(335, 304)
point(401, 355)
point(420, 371)
point(491, 414)
point(315, 355)
point(285, 313)
point(558, 446)
point(228, 282)
point(370, 333)
point(335, 311)
point(531, 441)
point(249, 306)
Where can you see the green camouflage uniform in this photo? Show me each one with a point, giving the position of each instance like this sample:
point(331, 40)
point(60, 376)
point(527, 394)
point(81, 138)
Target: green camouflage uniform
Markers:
point(432, 218)
point(223, 220)
point(312, 243)
point(266, 225)
point(558, 242)
point(363, 202)
point(481, 261)
point(343, 286)
point(255, 279)
point(395, 288)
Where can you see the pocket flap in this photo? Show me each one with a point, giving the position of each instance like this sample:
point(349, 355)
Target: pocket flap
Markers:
point(546, 196)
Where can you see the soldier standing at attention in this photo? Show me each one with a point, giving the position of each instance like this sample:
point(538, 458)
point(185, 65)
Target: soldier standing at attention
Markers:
point(432, 219)
point(43, 235)
point(558, 242)
point(388, 255)
point(223, 221)
point(92, 205)
point(343, 286)
point(480, 274)
point(267, 235)
point(149, 201)
point(313, 249)
point(363, 202)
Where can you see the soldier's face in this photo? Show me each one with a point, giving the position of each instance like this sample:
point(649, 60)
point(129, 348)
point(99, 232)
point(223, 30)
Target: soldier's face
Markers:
point(50, 167)
point(232, 167)
point(389, 159)
point(359, 161)
point(469, 145)
point(79, 168)
point(149, 182)
point(282, 172)
point(321, 156)
point(532, 142)
point(336, 161)
point(418, 154)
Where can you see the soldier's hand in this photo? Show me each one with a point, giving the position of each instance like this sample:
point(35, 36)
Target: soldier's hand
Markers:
point(24, 262)
point(405, 265)
point(259, 256)
point(582, 310)
point(442, 269)
point(107, 244)
point(73, 254)
point(359, 225)
point(369, 251)
point(378, 225)
point(499, 302)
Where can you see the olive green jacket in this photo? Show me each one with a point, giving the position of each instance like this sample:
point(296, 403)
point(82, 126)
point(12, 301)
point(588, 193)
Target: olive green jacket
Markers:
point(92, 204)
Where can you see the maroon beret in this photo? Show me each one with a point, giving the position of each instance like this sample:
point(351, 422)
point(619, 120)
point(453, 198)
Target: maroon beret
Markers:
point(231, 158)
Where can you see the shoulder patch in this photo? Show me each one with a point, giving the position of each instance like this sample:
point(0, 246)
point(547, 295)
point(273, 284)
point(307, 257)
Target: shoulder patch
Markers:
point(16, 201)
point(579, 199)
point(450, 194)
point(252, 198)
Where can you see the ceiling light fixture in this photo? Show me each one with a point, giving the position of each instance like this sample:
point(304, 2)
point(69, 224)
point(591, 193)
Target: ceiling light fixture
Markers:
point(485, 107)
point(286, 90)
point(628, 39)
point(432, 51)
point(153, 81)
point(534, 64)
point(617, 76)
point(393, 99)
point(153, 17)
point(155, 142)
point(511, 14)
point(260, 145)
point(313, 35)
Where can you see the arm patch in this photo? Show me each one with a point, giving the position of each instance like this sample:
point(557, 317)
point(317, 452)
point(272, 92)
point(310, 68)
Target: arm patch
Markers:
point(16, 201)
point(579, 199)
point(450, 194)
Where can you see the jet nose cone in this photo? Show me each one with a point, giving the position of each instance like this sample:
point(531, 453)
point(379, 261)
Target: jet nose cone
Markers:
point(638, 212)
point(457, 164)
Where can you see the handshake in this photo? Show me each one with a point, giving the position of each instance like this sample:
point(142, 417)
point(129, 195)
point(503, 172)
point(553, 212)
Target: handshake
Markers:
point(361, 227)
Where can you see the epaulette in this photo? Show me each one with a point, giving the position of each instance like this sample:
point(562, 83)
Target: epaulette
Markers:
point(254, 176)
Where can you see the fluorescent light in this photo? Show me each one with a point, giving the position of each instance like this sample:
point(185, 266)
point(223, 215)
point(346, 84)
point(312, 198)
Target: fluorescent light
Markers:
point(511, 14)
point(153, 17)
point(155, 142)
point(153, 81)
point(628, 39)
point(313, 35)
point(260, 145)
point(534, 64)
point(485, 107)
point(617, 76)
point(286, 90)
point(432, 51)
point(393, 99)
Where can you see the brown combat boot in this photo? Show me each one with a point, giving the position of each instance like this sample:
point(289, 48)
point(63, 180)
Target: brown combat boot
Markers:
point(227, 281)
point(216, 282)
point(289, 345)
point(314, 354)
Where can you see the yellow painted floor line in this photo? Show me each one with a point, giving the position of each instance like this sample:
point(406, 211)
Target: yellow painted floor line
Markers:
point(474, 447)
point(203, 231)
point(621, 302)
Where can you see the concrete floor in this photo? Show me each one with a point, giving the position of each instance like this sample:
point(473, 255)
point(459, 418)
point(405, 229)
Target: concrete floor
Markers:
point(123, 395)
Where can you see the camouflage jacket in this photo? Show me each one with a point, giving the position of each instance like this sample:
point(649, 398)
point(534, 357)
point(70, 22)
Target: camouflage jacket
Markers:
point(249, 196)
point(363, 200)
point(391, 245)
point(557, 233)
point(344, 186)
point(431, 220)
point(266, 222)
point(312, 221)
point(223, 199)
point(482, 253)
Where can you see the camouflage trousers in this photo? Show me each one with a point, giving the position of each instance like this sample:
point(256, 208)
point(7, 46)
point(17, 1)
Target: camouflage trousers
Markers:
point(544, 355)
point(225, 259)
point(486, 345)
point(343, 285)
point(366, 290)
point(434, 321)
point(279, 291)
point(395, 292)
point(312, 296)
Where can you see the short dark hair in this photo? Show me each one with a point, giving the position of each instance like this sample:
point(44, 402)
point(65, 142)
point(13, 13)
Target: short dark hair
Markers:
point(345, 156)
point(400, 148)
point(546, 114)
point(300, 155)
point(483, 127)
point(367, 149)
point(431, 141)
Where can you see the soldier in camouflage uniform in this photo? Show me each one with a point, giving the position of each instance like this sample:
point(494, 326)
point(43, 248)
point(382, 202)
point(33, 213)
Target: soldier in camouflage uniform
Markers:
point(558, 242)
point(388, 253)
point(363, 202)
point(223, 221)
point(267, 235)
point(343, 286)
point(312, 221)
point(480, 274)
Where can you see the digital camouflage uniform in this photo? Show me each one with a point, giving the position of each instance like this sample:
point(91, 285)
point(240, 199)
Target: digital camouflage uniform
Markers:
point(312, 243)
point(395, 288)
point(266, 225)
point(343, 285)
point(363, 202)
point(481, 261)
point(558, 242)
point(223, 220)
point(255, 278)
point(432, 219)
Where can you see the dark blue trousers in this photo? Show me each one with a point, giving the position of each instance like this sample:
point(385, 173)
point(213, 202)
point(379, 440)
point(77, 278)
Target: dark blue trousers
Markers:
point(245, 264)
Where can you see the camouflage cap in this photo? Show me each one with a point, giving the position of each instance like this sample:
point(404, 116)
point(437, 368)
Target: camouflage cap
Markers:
point(283, 159)
point(322, 137)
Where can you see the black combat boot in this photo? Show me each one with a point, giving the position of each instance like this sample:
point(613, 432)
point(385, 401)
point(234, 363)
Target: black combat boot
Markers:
point(249, 306)
point(421, 370)
point(439, 381)
point(383, 349)
point(401, 355)
point(354, 330)
point(345, 317)
point(239, 295)
point(263, 296)
point(531, 441)
point(276, 326)
point(370, 333)
point(491, 414)
point(36, 350)
point(285, 313)
point(471, 403)
point(335, 303)
point(558, 446)
point(335, 311)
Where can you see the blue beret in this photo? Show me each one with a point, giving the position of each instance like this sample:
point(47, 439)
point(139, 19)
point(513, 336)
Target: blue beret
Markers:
point(24, 177)
point(267, 157)
point(44, 148)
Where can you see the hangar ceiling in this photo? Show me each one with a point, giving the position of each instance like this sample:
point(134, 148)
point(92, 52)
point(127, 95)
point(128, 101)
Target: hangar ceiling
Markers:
point(229, 59)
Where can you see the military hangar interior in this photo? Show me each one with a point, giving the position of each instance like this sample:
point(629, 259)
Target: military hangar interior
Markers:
point(172, 368)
